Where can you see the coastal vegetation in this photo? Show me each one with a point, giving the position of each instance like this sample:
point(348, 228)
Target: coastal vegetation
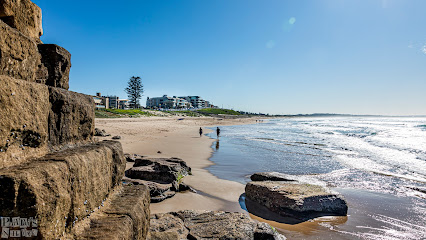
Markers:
point(119, 113)
point(216, 111)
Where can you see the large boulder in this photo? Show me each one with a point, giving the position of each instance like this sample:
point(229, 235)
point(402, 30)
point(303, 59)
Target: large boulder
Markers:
point(62, 187)
point(163, 170)
point(24, 112)
point(23, 15)
point(294, 199)
point(126, 217)
point(57, 60)
point(19, 56)
point(71, 118)
point(191, 224)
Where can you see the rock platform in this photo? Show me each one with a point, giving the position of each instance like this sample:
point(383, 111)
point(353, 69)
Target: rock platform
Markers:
point(292, 198)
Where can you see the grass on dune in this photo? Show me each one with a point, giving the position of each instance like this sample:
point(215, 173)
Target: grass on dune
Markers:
point(209, 111)
point(117, 113)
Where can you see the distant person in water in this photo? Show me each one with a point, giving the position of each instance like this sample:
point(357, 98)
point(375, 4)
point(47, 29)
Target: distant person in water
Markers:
point(201, 131)
point(217, 131)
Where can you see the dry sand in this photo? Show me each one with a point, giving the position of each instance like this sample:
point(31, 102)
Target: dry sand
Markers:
point(180, 138)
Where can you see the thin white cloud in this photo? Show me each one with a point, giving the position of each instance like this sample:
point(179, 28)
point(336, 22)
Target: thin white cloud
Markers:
point(424, 49)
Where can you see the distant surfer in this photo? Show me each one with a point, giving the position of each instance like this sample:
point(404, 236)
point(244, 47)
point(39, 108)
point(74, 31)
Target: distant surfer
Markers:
point(217, 132)
point(201, 131)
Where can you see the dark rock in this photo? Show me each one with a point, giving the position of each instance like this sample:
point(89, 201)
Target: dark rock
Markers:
point(297, 200)
point(57, 60)
point(272, 176)
point(165, 170)
point(163, 196)
point(132, 157)
point(61, 185)
point(126, 217)
point(71, 118)
point(208, 225)
point(116, 137)
point(100, 133)
point(184, 187)
point(22, 15)
point(158, 191)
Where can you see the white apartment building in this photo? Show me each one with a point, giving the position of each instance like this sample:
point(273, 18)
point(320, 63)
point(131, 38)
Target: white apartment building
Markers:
point(167, 102)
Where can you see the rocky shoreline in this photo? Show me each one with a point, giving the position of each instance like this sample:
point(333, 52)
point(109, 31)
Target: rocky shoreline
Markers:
point(73, 186)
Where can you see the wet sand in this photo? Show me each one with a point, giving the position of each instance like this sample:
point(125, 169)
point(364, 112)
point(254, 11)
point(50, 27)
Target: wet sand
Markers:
point(180, 138)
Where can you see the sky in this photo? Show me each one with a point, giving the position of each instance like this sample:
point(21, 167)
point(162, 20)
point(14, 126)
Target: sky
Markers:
point(269, 56)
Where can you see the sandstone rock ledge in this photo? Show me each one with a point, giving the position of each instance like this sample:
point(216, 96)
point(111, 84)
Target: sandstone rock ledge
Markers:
point(294, 199)
point(62, 187)
point(126, 216)
point(163, 176)
point(213, 225)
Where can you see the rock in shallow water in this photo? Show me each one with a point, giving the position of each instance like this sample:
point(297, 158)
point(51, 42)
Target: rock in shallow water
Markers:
point(190, 224)
point(297, 200)
point(272, 176)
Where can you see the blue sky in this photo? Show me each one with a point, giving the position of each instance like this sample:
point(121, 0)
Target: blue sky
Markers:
point(274, 56)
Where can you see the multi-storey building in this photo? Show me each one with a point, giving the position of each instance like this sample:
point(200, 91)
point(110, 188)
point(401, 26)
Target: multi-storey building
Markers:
point(196, 101)
point(167, 102)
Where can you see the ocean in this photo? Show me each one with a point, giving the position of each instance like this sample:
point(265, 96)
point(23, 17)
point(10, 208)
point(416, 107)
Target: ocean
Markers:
point(377, 163)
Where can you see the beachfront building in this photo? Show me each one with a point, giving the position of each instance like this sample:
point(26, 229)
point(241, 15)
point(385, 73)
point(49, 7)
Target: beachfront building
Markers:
point(112, 101)
point(100, 101)
point(167, 102)
point(123, 104)
point(196, 101)
point(106, 102)
point(178, 102)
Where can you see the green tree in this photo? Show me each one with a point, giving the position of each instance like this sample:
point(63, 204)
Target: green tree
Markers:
point(134, 91)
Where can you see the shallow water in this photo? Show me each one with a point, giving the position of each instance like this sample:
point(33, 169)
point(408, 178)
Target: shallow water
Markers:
point(379, 164)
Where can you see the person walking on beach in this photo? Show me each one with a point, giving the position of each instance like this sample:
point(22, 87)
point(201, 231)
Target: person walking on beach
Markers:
point(201, 131)
point(217, 131)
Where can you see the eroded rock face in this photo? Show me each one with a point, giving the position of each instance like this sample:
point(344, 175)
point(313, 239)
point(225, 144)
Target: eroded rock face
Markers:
point(126, 217)
point(297, 200)
point(50, 170)
point(191, 224)
point(71, 118)
point(61, 187)
point(30, 125)
point(23, 15)
point(24, 112)
point(57, 61)
point(19, 56)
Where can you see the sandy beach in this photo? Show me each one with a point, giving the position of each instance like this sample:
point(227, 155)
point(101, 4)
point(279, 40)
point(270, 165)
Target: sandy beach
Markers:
point(177, 137)
point(180, 138)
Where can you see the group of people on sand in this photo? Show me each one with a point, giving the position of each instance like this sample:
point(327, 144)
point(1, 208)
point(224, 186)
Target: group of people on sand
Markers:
point(217, 131)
